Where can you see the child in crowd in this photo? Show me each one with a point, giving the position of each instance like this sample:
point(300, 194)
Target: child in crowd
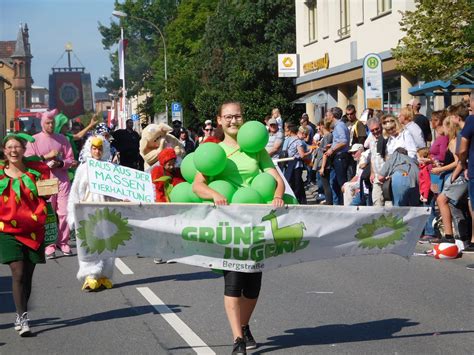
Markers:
point(165, 175)
point(303, 133)
point(424, 179)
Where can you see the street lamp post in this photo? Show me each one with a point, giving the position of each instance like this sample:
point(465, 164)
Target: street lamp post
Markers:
point(121, 14)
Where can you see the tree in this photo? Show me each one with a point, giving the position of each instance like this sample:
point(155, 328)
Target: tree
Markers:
point(144, 64)
point(239, 58)
point(216, 49)
point(184, 35)
point(439, 39)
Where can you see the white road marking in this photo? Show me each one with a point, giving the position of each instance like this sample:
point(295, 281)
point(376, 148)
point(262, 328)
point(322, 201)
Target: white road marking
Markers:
point(193, 340)
point(123, 268)
point(321, 292)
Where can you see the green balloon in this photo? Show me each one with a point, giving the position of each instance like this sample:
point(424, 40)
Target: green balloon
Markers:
point(252, 137)
point(290, 200)
point(224, 188)
point(210, 159)
point(265, 184)
point(183, 193)
point(192, 196)
point(188, 170)
point(247, 195)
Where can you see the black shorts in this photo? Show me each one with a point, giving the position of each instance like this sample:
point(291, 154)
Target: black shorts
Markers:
point(242, 283)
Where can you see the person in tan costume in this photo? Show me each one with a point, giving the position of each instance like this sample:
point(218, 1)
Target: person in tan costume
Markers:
point(155, 138)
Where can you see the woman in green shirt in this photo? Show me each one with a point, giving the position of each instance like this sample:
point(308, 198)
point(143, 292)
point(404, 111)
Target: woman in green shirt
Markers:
point(241, 289)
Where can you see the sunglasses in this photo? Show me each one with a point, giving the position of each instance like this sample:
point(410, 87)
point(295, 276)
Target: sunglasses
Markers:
point(209, 129)
point(387, 122)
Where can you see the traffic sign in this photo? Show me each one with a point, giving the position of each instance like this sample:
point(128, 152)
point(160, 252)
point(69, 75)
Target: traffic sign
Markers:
point(176, 111)
point(176, 107)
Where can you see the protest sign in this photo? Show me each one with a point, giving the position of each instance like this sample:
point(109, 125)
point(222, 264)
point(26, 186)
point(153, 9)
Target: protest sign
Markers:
point(50, 226)
point(119, 181)
point(248, 238)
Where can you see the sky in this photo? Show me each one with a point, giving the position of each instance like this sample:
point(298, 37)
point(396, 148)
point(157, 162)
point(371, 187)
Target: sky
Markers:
point(53, 23)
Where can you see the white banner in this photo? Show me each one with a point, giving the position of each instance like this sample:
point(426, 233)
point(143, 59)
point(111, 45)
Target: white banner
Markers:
point(121, 59)
point(119, 181)
point(248, 238)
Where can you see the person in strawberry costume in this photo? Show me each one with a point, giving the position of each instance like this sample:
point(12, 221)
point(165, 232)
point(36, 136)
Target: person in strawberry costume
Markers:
point(56, 151)
point(22, 221)
point(165, 175)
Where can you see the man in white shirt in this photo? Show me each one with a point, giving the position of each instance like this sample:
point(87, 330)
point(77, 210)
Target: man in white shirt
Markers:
point(275, 140)
point(376, 161)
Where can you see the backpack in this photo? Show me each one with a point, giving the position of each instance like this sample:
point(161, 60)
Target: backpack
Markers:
point(284, 154)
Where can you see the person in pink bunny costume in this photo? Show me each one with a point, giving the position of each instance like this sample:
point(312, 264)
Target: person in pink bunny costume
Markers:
point(56, 151)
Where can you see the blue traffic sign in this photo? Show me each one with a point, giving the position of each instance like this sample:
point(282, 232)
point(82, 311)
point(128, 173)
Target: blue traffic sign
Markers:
point(176, 107)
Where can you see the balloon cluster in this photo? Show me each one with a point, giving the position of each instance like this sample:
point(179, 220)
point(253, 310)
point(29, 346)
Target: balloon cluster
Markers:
point(210, 160)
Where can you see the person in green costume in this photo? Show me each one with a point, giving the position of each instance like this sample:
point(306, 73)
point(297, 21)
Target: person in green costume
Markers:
point(241, 289)
point(61, 126)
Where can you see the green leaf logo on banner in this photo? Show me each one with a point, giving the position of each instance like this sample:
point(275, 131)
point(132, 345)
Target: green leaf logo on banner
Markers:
point(391, 227)
point(104, 230)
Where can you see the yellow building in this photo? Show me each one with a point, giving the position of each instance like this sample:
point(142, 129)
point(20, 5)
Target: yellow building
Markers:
point(4, 85)
point(332, 39)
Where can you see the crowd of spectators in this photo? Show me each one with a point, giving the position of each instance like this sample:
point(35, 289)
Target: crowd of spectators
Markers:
point(382, 159)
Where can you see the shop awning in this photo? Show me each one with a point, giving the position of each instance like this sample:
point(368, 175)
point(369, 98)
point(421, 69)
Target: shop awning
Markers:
point(458, 84)
point(306, 98)
point(316, 97)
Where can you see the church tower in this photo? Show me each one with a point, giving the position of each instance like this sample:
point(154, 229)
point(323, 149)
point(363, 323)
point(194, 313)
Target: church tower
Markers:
point(22, 80)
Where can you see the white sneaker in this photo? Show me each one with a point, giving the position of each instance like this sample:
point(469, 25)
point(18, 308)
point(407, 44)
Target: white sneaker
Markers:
point(18, 322)
point(51, 256)
point(25, 327)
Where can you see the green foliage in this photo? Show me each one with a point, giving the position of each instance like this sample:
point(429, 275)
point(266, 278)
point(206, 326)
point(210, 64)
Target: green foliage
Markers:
point(216, 50)
point(239, 57)
point(439, 38)
point(144, 52)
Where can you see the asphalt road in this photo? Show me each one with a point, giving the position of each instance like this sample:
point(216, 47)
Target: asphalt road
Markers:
point(355, 305)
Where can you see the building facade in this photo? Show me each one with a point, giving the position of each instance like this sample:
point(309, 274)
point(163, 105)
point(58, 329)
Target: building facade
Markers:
point(4, 85)
point(102, 101)
point(15, 66)
point(39, 96)
point(332, 39)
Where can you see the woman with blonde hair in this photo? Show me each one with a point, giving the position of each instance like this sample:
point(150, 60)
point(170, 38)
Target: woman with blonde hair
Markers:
point(398, 136)
point(453, 191)
point(400, 164)
point(406, 118)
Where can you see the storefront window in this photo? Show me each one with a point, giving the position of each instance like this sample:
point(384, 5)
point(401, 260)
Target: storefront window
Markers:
point(392, 95)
